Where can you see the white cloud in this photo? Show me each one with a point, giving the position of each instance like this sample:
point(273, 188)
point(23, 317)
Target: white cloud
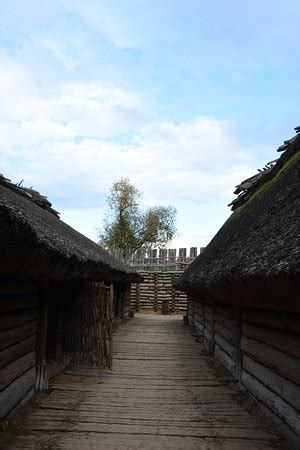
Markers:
point(31, 113)
point(59, 52)
point(73, 140)
point(189, 166)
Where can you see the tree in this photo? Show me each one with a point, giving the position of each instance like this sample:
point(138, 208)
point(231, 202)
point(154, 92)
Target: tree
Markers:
point(127, 227)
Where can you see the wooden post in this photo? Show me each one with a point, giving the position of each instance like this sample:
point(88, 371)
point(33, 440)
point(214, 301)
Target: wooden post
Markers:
point(238, 337)
point(137, 300)
point(59, 343)
point(165, 307)
point(109, 326)
point(153, 257)
point(163, 253)
point(193, 252)
point(172, 257)
point(173, 293)
point(155, 304)
point(41, 341)
point(182, 254)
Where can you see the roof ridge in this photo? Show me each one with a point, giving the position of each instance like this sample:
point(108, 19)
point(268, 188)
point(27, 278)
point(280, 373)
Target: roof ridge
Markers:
point(247, 187)
point(29, 193)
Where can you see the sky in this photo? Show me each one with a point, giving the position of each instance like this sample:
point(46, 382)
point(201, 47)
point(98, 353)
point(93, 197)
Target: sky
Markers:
point(186, 99)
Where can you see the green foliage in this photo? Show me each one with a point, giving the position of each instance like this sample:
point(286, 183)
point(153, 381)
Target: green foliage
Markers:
point(114, 327)
point(127, 227)
point(3, 426)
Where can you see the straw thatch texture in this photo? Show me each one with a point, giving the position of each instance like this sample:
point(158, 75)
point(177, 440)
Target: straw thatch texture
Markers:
point(34, 243)
point(257, 245)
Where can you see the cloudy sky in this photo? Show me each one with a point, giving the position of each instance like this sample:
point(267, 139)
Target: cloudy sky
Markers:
point(186, 98)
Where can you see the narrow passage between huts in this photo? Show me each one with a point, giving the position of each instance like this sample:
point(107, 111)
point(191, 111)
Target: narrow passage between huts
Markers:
point(163, 393)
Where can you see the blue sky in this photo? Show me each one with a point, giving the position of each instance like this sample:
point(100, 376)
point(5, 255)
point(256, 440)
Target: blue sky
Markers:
point(184, 98)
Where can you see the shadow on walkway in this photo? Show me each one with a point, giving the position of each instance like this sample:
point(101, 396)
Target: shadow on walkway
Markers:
point(163, 393)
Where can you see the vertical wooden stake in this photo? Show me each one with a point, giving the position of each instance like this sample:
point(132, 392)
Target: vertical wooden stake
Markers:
point(137, 307)
point(155, 303)
point(109, 313)
point(41, 342)
point(59, 337)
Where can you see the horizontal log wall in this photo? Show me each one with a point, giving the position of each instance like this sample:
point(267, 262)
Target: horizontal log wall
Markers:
point(271, 364)
point(156, 289)
point(18, 324)
point(260, 348)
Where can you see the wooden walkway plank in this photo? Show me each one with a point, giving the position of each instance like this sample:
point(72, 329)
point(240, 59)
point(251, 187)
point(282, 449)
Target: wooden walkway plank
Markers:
point(163, 393)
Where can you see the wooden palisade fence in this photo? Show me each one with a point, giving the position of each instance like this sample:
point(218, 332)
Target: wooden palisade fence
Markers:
point(158, 259)
point(159, 268)
point(156, 293)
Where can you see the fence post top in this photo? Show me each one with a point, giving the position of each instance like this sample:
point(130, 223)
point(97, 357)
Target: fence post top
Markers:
point(158, 258)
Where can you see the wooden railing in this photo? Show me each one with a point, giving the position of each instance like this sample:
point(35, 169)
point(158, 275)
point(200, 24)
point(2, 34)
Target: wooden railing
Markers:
point(158, 259)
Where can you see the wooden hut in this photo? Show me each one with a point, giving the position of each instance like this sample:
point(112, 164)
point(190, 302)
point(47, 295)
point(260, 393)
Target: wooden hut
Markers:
point(55, 295)
point(243, 290)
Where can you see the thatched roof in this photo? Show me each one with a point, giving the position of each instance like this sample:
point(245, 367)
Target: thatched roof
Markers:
point(247, 187)
point(36, 244)
point(257, 245)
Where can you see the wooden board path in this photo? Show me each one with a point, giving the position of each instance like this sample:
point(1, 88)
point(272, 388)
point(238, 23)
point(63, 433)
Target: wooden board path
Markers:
point(163, 393)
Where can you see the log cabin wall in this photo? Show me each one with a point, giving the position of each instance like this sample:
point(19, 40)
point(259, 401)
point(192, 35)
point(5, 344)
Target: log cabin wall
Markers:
point(270, 346)
point(260, 348)
point(156, 289)
point(18, 327)
point(46, 326)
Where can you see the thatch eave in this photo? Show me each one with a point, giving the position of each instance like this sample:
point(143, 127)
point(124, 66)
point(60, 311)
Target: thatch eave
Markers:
point(256, 246)
point(35, 244)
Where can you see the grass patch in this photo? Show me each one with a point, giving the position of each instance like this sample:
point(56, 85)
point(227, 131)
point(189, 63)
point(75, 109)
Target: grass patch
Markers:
point(266, 185)
point(114, 327)
point(3, 426)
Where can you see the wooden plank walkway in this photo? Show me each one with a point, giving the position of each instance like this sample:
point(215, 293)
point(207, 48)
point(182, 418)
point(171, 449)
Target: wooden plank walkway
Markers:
point(163, 393)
